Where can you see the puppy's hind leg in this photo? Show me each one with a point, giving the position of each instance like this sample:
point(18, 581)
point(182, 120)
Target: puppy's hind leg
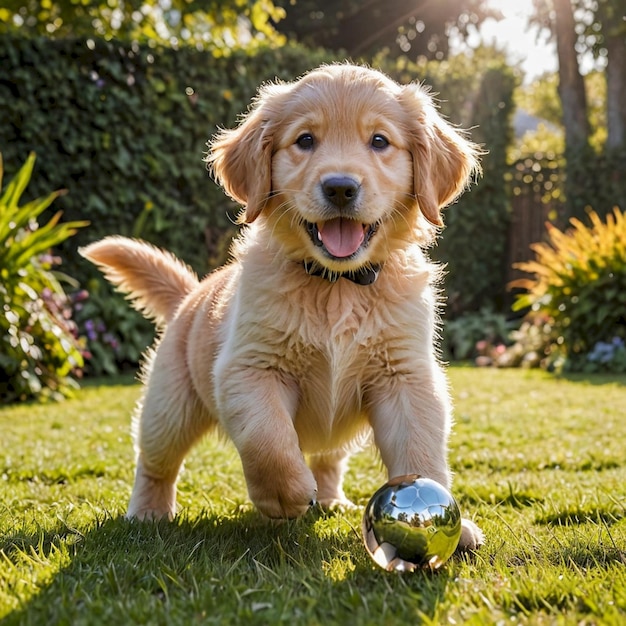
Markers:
point(169, 420)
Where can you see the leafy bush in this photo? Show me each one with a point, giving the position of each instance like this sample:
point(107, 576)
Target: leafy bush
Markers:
point(607, 357)
point(474, 243)
point(39, 349)
point(478, 93)
point(530, 346)
point(475, 335)
point(115, 334)
point(125, 126)
point(579, 283)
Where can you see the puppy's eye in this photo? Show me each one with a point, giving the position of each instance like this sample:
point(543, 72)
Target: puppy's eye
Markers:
point(305, 141)
point(379, 142)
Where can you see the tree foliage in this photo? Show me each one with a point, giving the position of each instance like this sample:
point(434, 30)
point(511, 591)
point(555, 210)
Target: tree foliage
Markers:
point(541, 99)
point(220, 25)
point(598, 27)
point(596, 22)
point(413, 27)
point(402, 27)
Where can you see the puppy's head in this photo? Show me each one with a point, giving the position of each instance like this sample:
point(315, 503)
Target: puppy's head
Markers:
point(345, 165)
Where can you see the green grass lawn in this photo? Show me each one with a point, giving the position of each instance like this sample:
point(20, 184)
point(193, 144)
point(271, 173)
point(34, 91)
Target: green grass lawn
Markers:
point(540, 464)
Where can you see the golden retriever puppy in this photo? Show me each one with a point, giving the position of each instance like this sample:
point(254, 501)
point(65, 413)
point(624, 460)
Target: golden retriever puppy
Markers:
point(322, 329)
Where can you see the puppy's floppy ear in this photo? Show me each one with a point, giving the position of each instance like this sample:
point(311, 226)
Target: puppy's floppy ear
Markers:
point(241, 158)
point(443, 159)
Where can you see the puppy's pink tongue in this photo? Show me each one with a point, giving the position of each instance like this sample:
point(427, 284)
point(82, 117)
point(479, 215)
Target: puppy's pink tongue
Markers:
point(341, 237)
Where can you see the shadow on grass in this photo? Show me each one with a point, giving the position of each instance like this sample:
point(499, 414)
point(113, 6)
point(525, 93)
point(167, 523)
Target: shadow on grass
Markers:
point(595, 379)
point(126, 379)
point(216, 570)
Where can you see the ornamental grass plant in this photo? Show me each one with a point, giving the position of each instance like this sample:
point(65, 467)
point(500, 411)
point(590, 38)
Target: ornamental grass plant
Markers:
point(40, 352)
point(578, 282)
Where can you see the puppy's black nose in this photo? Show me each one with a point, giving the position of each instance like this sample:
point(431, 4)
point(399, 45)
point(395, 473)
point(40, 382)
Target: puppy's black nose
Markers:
point(340, 190)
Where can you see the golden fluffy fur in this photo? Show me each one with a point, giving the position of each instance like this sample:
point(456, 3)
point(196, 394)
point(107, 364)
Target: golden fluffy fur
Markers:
point(343, 171)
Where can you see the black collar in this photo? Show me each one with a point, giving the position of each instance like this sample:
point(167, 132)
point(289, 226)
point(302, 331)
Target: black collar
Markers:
point(362, 276)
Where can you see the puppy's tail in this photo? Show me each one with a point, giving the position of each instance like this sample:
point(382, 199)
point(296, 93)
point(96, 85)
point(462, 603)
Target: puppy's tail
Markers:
point(154, 280)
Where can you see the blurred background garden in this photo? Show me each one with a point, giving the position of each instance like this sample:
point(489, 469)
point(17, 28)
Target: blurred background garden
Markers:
point(113, 102)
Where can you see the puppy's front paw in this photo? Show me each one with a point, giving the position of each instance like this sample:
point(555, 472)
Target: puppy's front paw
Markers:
point(471, 536)
point(284, 497)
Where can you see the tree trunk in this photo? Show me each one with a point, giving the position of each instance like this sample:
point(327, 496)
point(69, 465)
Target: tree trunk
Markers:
point(363, 27)
point(616, 90)
point(578, 154)
point(571, 84)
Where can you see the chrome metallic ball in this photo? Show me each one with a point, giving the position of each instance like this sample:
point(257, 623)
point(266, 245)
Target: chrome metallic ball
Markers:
point(411, 523)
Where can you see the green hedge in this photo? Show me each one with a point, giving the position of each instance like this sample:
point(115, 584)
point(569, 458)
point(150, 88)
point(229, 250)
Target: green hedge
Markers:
point(124, 128)
point(474, 244)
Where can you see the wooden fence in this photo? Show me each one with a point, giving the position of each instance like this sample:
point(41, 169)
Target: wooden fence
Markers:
point(535, 191)
point(528, 225)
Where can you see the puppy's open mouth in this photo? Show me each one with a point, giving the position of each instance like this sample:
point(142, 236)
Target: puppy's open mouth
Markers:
point(341, 238)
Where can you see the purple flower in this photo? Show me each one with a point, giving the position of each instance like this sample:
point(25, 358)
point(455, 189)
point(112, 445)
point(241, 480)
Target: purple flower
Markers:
point(92, 335)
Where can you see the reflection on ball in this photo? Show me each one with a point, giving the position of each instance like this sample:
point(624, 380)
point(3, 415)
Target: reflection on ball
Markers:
point(411, 523)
